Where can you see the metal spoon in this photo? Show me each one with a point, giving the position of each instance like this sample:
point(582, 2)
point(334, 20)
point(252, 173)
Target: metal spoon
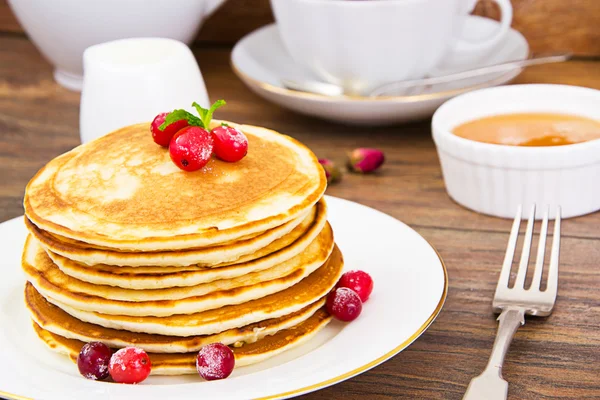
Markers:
point(330, 89)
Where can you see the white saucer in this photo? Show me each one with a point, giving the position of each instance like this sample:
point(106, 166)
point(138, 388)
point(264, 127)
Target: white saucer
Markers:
point(410, 286)
point(260, 60)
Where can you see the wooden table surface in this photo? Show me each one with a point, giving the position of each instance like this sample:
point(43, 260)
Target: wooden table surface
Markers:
point(551, 358)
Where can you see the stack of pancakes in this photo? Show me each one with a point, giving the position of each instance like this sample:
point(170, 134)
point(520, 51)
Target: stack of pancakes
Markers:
point(126, 249)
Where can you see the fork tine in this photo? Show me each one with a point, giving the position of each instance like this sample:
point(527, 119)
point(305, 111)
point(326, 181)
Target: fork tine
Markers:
point(520, 282)
point(510, 250)
point(539, 261)
point(552, 285)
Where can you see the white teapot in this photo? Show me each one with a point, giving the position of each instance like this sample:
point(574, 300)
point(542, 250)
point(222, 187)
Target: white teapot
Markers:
point(63, 29)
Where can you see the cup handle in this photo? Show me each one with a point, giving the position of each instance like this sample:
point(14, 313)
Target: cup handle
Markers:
point(465, 48)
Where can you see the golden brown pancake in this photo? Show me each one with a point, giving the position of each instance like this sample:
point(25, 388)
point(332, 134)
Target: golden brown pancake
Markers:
point(52, 282)
point(215, 256)
point(123, 191)
point(306, 292)
point(152, 277)
point(127, 249)
point(55, 320)
point(185, 363)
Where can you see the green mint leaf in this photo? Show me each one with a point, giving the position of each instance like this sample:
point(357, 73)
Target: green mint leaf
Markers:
point(201, 111)
point(180, 114)
point(206, 115)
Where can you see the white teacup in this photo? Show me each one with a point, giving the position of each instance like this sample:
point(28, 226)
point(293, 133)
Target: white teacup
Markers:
point(361, 44)
point(129, 81)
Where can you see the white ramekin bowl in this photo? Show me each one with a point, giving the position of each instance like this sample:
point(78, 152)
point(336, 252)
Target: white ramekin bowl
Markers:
point(495, 179)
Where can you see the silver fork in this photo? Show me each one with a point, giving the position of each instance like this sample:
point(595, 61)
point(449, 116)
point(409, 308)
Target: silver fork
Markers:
point(513, 303)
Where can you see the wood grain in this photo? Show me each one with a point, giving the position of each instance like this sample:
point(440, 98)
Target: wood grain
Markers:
point(8, 21)
point(551, 358)
point(548, 25)
point(554, 26)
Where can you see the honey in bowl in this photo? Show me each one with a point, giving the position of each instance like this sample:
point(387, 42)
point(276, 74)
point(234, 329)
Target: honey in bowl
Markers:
point(530, 129)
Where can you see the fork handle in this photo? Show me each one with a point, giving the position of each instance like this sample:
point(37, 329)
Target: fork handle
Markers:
point(490, 385)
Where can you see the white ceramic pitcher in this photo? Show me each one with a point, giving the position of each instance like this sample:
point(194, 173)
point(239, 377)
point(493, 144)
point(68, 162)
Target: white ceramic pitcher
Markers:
point(129, 81)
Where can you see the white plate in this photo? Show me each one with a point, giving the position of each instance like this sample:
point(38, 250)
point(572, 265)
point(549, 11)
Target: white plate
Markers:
point(261, 61)
point(410, 288)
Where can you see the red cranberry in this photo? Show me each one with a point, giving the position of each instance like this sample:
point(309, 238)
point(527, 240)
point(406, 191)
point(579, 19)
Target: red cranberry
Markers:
point(163, 137)
point(231, 144)
point(130, 365)
point(215, 361)
point(191, 148)
point(344, 304)
point(359, 281)
point(93, 360)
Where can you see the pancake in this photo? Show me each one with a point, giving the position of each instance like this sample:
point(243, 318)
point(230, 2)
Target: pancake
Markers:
point(215, 256)
point(306, 292)
point(150, 277)
point(77, 243)
point(122, 191)
point(49, 280)
point(208, 256)
point(185, 363)
point(55, 320)
point(316, 253)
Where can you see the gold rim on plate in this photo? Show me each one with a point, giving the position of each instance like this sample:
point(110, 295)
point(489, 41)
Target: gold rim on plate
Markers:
point(350, 374)
point(383, 358)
